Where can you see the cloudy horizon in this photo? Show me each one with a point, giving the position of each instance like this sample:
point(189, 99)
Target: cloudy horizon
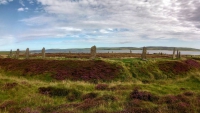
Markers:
point(105, 23)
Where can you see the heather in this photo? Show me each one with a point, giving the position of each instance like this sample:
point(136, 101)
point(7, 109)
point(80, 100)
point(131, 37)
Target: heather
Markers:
point(87, 70)
point(115, 85)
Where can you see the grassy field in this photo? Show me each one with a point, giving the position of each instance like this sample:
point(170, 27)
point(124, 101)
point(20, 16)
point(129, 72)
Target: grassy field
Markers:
point(152, 86)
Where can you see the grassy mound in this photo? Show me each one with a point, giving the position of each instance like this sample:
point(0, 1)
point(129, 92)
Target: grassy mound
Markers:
point(88, 70)
point(156, 69)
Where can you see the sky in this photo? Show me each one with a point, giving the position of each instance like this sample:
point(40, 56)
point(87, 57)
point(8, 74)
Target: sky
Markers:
point(63, 24)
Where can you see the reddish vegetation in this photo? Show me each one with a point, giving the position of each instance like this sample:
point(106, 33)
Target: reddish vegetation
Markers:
point(7, 104)
point(192, 63)
point(172, 103)
point(8, 86)
point(89, 96)
point(177, 67)
point(101, 86)
point(142, 95)
point(103, 55)
point(69, 69)
point(180, 103)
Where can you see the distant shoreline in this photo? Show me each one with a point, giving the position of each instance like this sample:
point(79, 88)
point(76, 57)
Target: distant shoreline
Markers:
point(118, 48)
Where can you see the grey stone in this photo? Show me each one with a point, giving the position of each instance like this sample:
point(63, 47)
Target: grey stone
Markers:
point(179, 55)
point(43, 53)
point(17, 54)
point(93, 52)
point(27, 53)
point(174, 56)
point(144, 53)
point(11, 54)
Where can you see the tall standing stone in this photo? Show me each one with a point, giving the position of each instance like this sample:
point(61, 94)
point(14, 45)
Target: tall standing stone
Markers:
point(130, 51)
point(17, 54)
point(93, 52)
point(144, 53)
point(174, 53)
point(11, 54)
point(179, 55)
point(27, 53)
point(43, 53)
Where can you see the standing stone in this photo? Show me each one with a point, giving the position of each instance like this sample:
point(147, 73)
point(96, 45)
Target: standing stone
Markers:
point(179, 55)
point(27, 53)
point(43, 53)
point(17, 54)
point(130, 51)
point(173, 57)
point(93, 52)
point(144, 53)
point(11, 54)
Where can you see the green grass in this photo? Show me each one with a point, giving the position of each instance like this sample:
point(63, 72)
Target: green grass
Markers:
point(21, 94)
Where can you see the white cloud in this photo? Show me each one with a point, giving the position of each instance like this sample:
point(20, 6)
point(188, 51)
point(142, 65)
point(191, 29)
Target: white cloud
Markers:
point(69, 29)
point(5, 1)
point(38, 20)
point(119, 21)
point(6, 40)
point(30, 1)
point(20, 9)
point(21, 2)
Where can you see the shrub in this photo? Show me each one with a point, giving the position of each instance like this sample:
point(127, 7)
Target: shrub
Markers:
point(142, 95)
point(94, 70)
point(7, 103)
point(101, 87)
point(192, 63)
point(88, 104)
point(71, 94)
point(29, 110)
point(188, 93)
point(89, 96)
point(107, 98)
point(8, 86)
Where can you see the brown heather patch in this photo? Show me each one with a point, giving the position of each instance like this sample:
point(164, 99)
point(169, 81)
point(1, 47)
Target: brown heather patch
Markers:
point(178, 67)
point(101, 86)
point(8, 86)
point(142, 95)
point(90, 70)
point(89, 96)
point(6, 104)
point(29, 110)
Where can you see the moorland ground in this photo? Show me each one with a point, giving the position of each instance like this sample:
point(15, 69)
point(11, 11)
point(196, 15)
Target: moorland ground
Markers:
point(103, 85)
